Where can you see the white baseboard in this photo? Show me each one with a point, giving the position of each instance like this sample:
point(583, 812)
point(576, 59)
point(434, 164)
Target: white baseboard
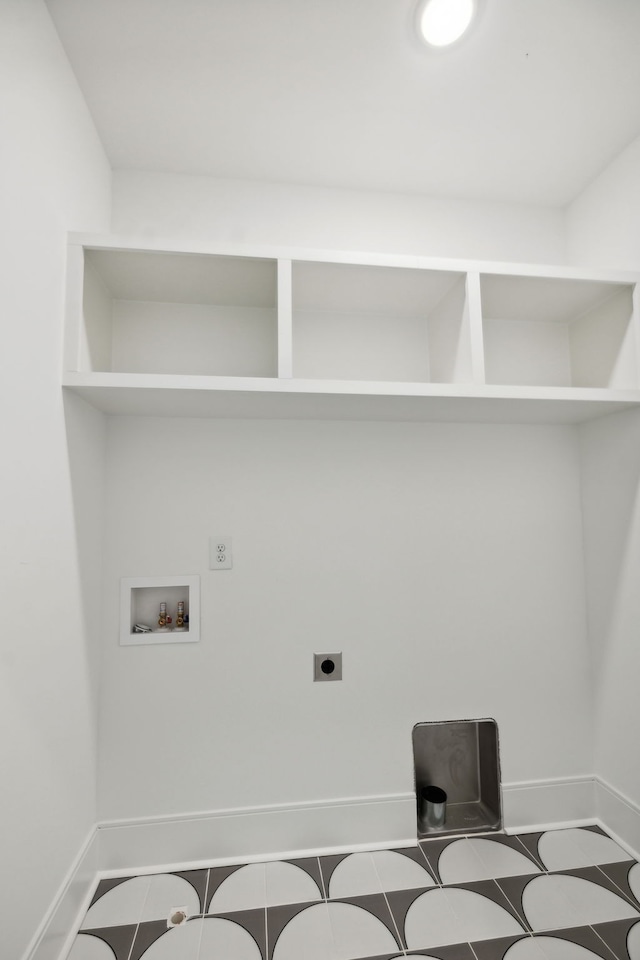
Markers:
point(548, 804)
point(258, 833)
point(157, 844)
point(53, 938)
point(619, 816)
point(332, 826)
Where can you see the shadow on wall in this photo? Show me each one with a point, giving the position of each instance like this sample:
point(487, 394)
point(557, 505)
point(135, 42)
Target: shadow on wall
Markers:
point(86, 440)
point(610, 462)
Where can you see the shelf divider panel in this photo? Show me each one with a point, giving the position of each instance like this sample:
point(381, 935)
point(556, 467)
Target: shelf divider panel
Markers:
point(474, 311)
point(285, 320)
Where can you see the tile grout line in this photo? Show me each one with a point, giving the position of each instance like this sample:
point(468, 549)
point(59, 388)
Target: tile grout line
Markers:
point(527, 928)
point(395, 925)
point(333, 937)
point(206, 893)
point(478, 857)
point(391, 914)
point(531, 856)
point(473, 951)
point(514, 906)
point(606, 945)
point(139, 919)
point(617, 885)
point(433, 871)
point(265, 892)
point(199, 950)
point(266, 934)
point(324, 893)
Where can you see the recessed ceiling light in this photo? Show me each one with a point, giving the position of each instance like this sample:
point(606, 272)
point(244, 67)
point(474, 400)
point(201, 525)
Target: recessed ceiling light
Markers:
point(442, 22)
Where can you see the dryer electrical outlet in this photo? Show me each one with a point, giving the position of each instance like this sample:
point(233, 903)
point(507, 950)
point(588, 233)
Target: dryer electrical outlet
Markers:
point(327, 666)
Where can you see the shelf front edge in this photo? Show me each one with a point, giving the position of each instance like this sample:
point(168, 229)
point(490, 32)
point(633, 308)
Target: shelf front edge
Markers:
point(254, 398)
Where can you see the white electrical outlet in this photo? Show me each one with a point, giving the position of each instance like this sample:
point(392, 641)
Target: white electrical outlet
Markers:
point(220, 556)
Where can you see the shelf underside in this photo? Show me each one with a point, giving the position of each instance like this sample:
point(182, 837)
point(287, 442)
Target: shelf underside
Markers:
point(254, 398)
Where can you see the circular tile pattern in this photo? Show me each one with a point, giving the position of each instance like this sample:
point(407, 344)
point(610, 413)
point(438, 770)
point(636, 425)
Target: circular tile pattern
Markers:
point(86, 947)
point(551, 948)
point(633, 942)
point(476, 858)
point(309, 927)
point(358, 933)
point(397, 872)
point(140, 899)
point(301, 923)
point(634, 880)
point(382, 870)
point(354, 876)
point(325, 929)
point(576, 847)
point(439, 917)
point(244, 889)
point(551, 902)
point(211, 937)
point(501, 860)
point(120, 905)
point(288, 883)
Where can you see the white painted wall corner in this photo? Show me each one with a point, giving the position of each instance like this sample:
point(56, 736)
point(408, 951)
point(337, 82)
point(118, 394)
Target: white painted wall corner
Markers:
point(619, 816)
point(56, 933)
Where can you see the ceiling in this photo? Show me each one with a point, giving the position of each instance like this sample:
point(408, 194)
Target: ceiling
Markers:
point(529, 108)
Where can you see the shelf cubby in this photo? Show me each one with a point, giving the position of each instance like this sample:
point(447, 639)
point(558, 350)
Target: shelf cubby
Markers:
point(173, 313)
point(373, 323)
point(559, 332)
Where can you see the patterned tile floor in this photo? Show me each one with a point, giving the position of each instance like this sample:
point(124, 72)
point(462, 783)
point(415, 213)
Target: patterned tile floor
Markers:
point(569, 894)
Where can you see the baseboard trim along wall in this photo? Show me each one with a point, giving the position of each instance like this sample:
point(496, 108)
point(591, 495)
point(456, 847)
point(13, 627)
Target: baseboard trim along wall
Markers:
point(157, 844)
point(619, 816)
point(545, 804)
point(53, 938)
point(258, 833)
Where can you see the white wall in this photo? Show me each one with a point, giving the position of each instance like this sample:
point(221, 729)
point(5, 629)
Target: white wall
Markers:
point(192, 208)
point(603, 223)
point(610, 451)
point(54, 178)
point(445, 561)
point(603, 229)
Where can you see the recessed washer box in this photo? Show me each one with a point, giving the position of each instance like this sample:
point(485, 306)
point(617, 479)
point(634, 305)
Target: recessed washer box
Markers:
point(461, 757)
point(140, 599)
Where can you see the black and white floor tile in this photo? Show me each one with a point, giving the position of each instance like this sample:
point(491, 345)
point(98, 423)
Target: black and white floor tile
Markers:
point(570, 894)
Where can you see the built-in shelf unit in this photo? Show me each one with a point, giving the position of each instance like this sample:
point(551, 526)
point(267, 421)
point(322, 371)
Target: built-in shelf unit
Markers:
point(263, 333)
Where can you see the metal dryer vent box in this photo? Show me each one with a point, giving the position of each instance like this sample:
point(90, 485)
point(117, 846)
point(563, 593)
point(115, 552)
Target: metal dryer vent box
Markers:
point(461, 757)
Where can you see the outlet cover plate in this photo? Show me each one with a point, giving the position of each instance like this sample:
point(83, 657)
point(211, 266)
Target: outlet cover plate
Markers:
point(327, 666)
point(220, 553)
